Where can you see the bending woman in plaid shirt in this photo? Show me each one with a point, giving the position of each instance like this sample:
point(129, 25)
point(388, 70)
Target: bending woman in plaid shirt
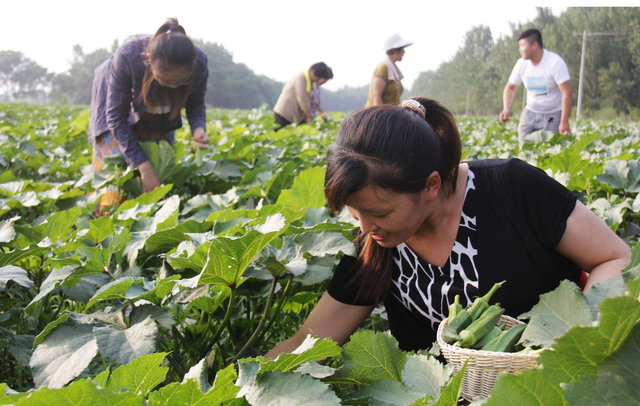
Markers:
point(138, 95)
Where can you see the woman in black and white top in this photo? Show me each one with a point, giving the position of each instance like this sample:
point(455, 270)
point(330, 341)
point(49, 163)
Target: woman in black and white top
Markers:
point(433, 227)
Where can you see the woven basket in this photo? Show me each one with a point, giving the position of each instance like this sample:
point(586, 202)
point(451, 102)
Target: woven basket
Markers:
point(484, 366)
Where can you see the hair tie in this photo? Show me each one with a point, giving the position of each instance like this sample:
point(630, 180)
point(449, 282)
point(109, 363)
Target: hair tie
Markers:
point(168, 31)
point(415, 106)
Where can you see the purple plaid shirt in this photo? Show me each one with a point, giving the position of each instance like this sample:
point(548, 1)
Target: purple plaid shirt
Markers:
point(116, 101)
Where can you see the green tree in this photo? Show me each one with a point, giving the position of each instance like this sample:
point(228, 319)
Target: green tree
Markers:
point(21, 78)
point(74, 85)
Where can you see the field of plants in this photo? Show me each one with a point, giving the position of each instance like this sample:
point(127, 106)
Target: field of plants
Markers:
point(173, 297)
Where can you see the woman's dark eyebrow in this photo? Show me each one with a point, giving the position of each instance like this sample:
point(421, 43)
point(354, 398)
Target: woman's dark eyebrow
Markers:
point(373, 210)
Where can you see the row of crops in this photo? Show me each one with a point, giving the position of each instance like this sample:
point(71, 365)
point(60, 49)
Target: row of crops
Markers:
point(172, 297)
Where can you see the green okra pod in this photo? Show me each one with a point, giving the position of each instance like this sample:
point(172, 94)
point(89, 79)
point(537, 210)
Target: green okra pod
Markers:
point(454, 308)
point(451, 330)
point(480, 304)
point(481, 327)
point(507, 340)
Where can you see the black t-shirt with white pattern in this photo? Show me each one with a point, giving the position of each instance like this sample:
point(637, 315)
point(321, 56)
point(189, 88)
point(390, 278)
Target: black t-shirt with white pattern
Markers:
point(512, 219)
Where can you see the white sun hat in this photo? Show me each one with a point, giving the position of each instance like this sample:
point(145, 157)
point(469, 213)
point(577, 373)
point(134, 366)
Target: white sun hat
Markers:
point(395, 41)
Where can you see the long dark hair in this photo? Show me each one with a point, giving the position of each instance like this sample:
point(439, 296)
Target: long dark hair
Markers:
point(392, 148)
point(169, 48)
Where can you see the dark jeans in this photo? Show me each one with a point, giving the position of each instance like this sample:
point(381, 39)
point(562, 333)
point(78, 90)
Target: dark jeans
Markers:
point(283, 122)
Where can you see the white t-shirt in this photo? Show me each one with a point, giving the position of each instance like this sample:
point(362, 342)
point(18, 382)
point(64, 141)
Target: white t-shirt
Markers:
point(541, 81)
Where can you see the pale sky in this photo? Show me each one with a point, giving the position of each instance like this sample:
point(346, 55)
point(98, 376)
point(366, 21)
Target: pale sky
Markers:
point(273, 38)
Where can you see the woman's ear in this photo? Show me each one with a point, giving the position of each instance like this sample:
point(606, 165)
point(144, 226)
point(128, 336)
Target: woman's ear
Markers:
point(432, 188)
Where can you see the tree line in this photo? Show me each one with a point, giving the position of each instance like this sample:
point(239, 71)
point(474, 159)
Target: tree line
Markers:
point(473, 80)
point(230, 85)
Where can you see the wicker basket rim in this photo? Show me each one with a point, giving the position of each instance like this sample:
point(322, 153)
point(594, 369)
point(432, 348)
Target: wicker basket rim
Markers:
point(480, 353)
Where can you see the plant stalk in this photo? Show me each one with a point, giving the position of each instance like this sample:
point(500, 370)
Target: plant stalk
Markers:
point(225, 321)
point(265, 314)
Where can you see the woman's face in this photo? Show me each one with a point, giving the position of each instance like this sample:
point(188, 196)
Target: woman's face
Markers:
point(390, 218)
point(397, 56)
point(172, 77)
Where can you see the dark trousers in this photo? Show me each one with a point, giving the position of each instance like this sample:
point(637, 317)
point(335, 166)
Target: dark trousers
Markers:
point(280, 121)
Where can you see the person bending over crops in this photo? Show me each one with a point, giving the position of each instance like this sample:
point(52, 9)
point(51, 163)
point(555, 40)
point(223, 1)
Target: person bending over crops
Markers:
point(296, 99)
point(138, 94)
point(432, 228)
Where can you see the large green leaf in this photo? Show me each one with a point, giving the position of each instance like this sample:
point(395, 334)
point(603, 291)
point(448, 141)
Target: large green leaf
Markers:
point(85, 287)
point(55, 278)
point(312, 349)
point(115, 290)
point(162, 157)
point(277, 388)
point(80, 393)
point(125, 345)
point(165, 240)
point(370, 357)
point(16, 274)
point(451, 393)
point(606, 389)
point(529, 388)
point(622, 175)
point(190, 391)
point(9, 258)
point(135, 288)
point(100, 229)
point(21, 347)
point(63, 354)
point(602, 291)
point(307, 191)
point(298, 252)
point(160, 314)
point(555, 313)
point(139, 376)
point(224, 388)
point(8, 396)
point(384, 393)
point(228, 258)
point(167, 216)
point(7, 232)
point(147, 198)
point(625, 362)
point(176, 394)
point(199, 374)
point(58, 225)
point(576, 354)
point(425, 375)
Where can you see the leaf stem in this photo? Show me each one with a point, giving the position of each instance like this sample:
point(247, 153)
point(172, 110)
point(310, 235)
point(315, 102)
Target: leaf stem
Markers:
point(280, 303)
point(256, 333)
point(225, 321)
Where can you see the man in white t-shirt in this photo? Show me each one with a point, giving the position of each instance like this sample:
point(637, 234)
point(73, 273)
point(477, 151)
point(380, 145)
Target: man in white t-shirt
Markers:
point(546, 77)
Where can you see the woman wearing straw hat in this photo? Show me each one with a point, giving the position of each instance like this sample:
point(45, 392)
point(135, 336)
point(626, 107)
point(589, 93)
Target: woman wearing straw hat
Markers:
point(386, 87)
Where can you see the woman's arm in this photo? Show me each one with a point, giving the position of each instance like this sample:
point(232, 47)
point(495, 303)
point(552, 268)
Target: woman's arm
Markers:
point(118, 106)
point(329, 318)
point(590, 244)
point(377, 87)
point(195, 107)
point(321, 113)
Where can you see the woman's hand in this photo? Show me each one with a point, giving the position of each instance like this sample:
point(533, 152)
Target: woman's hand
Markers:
point(200, 138)
point(329, 318)
point(148, 176)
